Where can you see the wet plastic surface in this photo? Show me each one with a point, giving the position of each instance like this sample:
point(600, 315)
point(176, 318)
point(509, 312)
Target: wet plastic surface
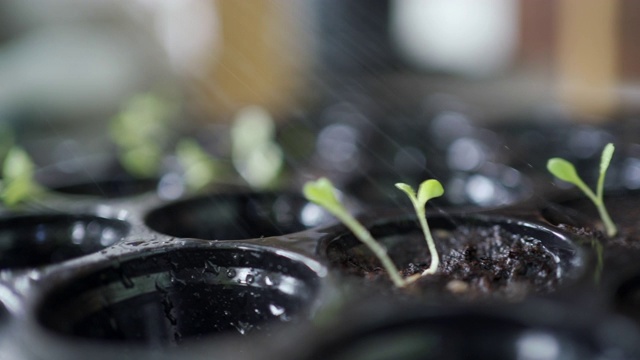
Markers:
point(252, 275)
point(172, 286)
point(181, 295)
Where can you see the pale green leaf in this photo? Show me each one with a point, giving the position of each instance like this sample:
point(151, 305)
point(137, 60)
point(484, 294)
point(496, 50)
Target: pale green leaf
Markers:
point(323, 193)
point(18, 183)
point(199, 168)
point(563, 170)
point(407, 189)
point(428, 190)
point(262, 166)
point(142, 161)
point(253, 127)
point(18, 190)
point(17, 164)
point(605, 160)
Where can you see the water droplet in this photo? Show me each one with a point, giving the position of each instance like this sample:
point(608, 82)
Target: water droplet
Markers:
point(243, 327)
point(271, 281)
point(250, 279)
point(176, 280)
point(276, 310)
point(34, 275)
point(231, 273)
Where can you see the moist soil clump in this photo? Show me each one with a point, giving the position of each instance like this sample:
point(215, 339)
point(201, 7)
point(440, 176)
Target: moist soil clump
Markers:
point(476, 262)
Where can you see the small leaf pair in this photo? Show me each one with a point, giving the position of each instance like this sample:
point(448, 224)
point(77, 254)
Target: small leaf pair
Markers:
point(428, 190)
point(323, 193)
point(18, 183)
point(564, 170)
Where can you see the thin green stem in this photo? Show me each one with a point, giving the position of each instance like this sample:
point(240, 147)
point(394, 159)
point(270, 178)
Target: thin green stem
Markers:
point(609, 225)
point(427, 190)
point(435, 259)
point(586, 190)
point(365, 236)
point(422, 218)
point(565, 171)
point(600, 188)
point(323, 193)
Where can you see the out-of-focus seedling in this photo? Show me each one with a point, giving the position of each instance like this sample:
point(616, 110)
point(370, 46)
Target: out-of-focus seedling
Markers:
point(323, 193)
point(564, 170)
point(18, 183)
point(141, 131)
point(200, 169)
point(428, 190)
point(255, 154)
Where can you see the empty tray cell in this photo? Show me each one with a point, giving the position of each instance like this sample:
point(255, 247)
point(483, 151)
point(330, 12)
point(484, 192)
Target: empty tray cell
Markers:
point(234, 216)
point(181, 295)
point(110, 188)
point(471, 334)
point(37, 240)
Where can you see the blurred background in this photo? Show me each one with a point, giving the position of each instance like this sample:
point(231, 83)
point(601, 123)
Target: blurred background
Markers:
point(68, 67)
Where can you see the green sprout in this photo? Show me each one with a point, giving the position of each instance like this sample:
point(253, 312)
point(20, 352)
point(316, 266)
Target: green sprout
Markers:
point(564, 170)
point(255, 154)
point(200, 169)
point(323, 193)
point(18, 183)
point(141, 132)
point(428, 190)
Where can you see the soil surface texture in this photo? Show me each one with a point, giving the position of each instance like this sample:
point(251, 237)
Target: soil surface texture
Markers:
point(476, 262)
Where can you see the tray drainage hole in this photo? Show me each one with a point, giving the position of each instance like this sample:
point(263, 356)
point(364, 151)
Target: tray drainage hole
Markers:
point(233, 216)
point(38, 240)
point(182, 295)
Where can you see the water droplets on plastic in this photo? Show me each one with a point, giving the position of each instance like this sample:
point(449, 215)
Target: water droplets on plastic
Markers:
point(231, 273)
point(276, 310)
point(242, 327)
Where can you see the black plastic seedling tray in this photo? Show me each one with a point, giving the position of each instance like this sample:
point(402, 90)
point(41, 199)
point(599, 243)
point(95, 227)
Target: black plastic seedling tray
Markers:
point(112, 271)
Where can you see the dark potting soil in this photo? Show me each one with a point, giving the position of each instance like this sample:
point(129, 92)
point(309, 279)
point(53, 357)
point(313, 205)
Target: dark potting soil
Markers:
point(475, 262)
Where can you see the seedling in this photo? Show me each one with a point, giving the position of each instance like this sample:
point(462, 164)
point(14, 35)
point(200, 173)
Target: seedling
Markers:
point(564, 170)
point(141, 132)
point(17, 177)
point(323, 193)
point(428, 190)
point(200, 169)
point(255, 154)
